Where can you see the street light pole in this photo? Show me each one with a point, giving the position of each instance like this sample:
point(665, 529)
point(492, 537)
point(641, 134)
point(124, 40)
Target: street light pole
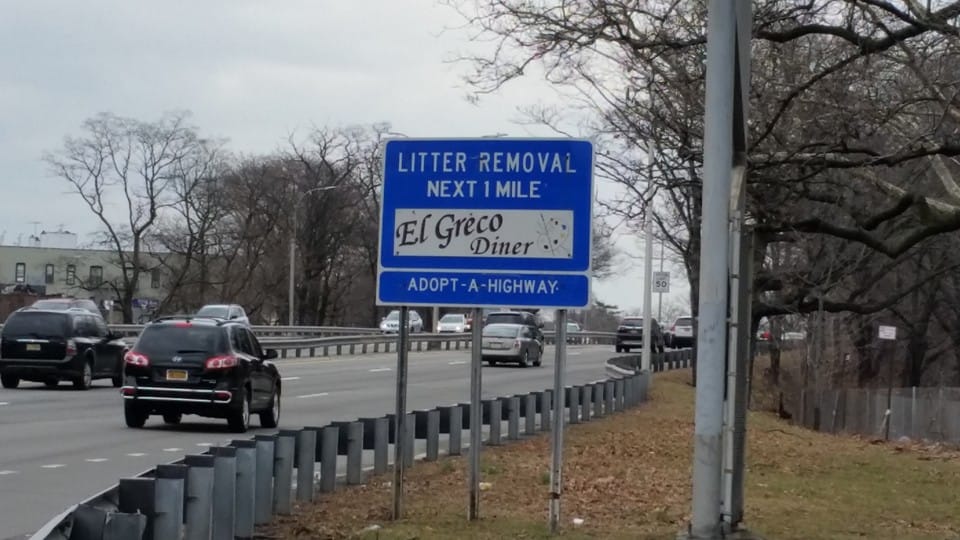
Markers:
point(293, 250)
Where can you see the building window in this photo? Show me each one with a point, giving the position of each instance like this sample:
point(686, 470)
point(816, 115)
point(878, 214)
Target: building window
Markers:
point(155, 278)
point(71, 274)
point(48, 274)
point(96, 276)
point(21, 276)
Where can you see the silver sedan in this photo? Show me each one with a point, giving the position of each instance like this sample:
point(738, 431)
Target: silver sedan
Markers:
point(510, 343)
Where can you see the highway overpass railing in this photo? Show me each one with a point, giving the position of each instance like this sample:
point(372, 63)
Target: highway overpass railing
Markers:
point(227, 491)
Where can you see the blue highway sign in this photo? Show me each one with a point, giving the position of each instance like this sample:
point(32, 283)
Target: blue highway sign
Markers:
point(486, 223)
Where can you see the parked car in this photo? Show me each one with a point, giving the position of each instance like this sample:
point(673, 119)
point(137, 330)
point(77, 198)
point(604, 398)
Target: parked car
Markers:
point(48, 346)
point(211, 368)
point(524, 318)
point(230, 312)
point(510, 343)
point(630, 335)
point(391, 323)
point(63, 304)
point(682, 332)
point(453, 322)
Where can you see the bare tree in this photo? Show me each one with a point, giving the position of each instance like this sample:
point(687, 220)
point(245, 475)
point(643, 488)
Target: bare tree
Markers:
point(131, 165)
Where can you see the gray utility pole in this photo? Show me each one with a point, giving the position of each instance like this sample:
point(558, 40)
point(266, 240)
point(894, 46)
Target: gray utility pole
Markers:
point(648, 343)
point(476, 414)
point(556, 435)
point(724, 147)
point(400, 419)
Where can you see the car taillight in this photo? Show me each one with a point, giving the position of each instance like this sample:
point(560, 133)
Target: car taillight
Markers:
point(221, 362)
point(136, 359)
point(71, 348)
point(128, 390)
point(222, 395)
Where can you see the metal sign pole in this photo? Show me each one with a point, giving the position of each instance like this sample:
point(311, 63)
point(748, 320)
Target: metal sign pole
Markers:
point(400, 419)
point(556, 435)
point(476, 414)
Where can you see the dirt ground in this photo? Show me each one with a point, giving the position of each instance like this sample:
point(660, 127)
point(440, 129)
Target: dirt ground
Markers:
point(628, 476)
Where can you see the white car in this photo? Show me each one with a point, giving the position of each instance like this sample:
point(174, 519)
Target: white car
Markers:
point(391, 323)
point(453, 322)
point(681, 333)
point(231, 312)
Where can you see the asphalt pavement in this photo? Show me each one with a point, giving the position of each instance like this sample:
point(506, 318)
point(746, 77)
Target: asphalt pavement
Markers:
point(60, 446)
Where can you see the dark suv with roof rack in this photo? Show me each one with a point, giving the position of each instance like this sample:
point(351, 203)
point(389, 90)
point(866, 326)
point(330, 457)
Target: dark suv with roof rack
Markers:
point(208, 367)
point(46, 345)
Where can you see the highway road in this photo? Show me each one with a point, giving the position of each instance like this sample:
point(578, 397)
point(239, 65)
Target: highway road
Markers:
point(59, 446)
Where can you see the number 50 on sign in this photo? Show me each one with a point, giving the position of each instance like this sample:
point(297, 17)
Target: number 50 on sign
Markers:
point(661, 282)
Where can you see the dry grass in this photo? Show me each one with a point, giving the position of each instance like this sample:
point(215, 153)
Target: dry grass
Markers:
point(628, 476)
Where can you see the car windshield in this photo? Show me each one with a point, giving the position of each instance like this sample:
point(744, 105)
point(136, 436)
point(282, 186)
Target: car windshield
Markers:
point(684, 321)
point(393, 316)
point(511, 318)
point(632, 322)
point(53, 304)
point(452, 319)
point(501, 331)
point(573, 327)
point(167, 340)
point(219, 312)
point(36, 325)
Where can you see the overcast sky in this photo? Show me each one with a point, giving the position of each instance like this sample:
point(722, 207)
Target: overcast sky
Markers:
point(252, 72)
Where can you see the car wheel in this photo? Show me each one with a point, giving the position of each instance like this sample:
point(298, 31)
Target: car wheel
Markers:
point(524, 357)
point(619, 349)
point(52, 383)
point(492, 362)
point(134, 415)
point(172, 418)
point(538, 361)
point(9, 381)
point(626, 349)
point(271, 417)
point(85, 380)
point(239, 420)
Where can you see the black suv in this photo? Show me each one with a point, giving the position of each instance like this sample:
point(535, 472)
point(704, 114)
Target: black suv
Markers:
point(208, 367)
point(630, 335)
point(48, 346)
point(524, 318)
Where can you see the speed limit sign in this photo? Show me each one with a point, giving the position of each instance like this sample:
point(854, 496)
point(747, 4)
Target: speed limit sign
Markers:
point(661, 282)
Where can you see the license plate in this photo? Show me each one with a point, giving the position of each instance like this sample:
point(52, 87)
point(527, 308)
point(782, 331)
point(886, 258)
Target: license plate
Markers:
point(33, 347)
point(176, 375)
point(493, 345)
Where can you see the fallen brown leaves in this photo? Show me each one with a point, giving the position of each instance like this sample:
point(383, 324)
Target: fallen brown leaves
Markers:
point(628, 476)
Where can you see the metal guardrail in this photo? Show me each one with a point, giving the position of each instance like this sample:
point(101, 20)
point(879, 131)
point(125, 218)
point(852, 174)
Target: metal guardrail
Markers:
point(229, 490)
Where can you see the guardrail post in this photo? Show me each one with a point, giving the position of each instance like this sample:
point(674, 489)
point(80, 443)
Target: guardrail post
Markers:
point(619, 387)
point(586, 402)
point(199, 499)
point(530, 413)
point(454, 429)
point(433, 435)
point(354, 453)
point(124, 527)
point(224, 491)
point(306, 450)
point(513, 418)
point(246, 487)
point(573, 404)
point(409, 441)
point(137, 496)
point(329, 441)
point(284, 453)
point(493, 418)
point(263, 486)
point(608, 396)
point(169, 492)
point(88, 522)
point(628, 392)
point(376, 437)
point(546, 404)
point(598, 399)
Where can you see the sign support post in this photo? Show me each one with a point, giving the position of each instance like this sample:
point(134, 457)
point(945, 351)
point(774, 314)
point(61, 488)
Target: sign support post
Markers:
point(400, 419)
point(556, 434)
point(476, 414)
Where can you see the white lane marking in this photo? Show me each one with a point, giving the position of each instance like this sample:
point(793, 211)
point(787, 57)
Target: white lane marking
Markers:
point(289, 378)
point(136, 454)
point(321, 394)
point(205, 444)
point(375, 370)
point(4, 403)
point(53, 466)
point(457, 362)
point(573, 354)
point(7, 473)
point(96, 460)
point(172, 449)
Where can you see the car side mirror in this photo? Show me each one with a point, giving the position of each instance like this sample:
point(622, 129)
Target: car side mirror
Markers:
point(269, 354)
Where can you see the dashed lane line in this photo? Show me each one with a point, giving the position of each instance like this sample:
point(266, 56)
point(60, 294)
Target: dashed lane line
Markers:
point(305, 396)
point(53, 466)
point(96, 460)
point(172, 449)
point(7, 473)
point(137, 454)
point(379, 369)
point(289, 378)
